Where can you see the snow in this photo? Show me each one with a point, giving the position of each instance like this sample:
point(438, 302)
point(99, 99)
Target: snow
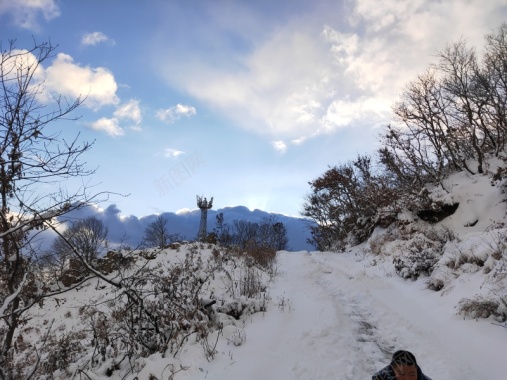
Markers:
point(343, 318)
point(342, 315)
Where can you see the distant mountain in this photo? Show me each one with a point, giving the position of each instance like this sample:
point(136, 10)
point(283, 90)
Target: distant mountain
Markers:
point(131, 229)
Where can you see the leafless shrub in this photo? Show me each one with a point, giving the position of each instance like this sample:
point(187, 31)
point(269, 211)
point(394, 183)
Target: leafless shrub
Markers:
point(284, 304)
point(157, 309)
point(243, 306)
point(497, 242)
point(250, 283)
point(216, 253)
point(449, 234)
point(237, 338)
point(61, 351)
point(263, 256)
point(173, 370)
point(210, 348)
point(157, 306)
point(245, 278)
point(481, 308)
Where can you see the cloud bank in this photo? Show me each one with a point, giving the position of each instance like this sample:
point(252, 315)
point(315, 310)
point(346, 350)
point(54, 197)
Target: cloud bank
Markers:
point(130, 229)
point(340, 66)
point(25, 13)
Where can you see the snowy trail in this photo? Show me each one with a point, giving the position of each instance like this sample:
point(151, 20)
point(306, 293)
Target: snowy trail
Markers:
point(400, 318)
point(332, 319)
point(308, 337)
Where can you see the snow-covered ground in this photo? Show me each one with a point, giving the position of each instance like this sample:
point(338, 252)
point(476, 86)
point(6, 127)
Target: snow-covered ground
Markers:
point(330, 316)
point(338, 317)
point(341, 315)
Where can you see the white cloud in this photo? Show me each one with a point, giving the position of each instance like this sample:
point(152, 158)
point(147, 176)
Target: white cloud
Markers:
point(173, 114)
point(130, 111)
point(18, 59)
point(64, 77)
point(25, 13)
point(307, 78)
point(95, 38)
point(341, 113)
point(280, 146)
point(109, 126)
point(169, 152)
point(299, 141)
point(70, 79)
point(283, 90)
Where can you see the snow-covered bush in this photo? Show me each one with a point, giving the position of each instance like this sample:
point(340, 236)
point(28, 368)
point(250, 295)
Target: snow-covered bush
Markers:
point(246, 284)
point(481, 307)
point(60, 351)
point(237, 338)
point(473, 253)
point(156, 306)
point(415, 264)
point(479, 254)
point(418, 256)
point(160, 308)
point(440, 277)
point(379, 242)
point(243, 306)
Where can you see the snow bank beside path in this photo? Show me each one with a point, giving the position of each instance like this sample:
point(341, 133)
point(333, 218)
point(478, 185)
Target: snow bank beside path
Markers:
point(338, 316)
point(407, 315)
point(306, 334)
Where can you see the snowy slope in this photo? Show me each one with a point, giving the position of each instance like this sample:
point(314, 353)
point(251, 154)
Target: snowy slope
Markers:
point(341, 316)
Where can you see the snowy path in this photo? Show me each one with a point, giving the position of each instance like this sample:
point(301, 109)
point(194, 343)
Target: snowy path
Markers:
point(332, 319)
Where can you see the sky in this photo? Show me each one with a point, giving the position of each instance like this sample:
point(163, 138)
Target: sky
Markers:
point(242, 101)
point(334, 315)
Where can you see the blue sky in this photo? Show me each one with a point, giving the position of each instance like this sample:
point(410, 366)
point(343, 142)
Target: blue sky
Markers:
point(245, 101)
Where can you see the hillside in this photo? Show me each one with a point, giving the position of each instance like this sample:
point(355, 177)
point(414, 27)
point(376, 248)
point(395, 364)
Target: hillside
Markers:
point(309, 315)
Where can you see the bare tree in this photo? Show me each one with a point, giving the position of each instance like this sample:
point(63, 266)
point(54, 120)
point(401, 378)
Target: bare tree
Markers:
point(157, 233)
point(453, 114)
point(464, 90)
point(347, 202)
point(244, 233)
point(222, 231)
point(272, 233)
point(425, 141)
point(33, 164)
point(280, 239)
point(495, 83)
point(88, 236)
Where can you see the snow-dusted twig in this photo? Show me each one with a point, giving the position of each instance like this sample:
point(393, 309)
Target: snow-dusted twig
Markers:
point(36, 365)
